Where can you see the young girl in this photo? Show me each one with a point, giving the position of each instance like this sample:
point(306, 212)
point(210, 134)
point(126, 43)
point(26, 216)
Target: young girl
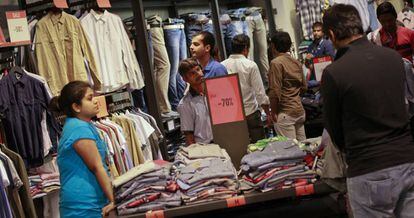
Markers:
point(86, 190)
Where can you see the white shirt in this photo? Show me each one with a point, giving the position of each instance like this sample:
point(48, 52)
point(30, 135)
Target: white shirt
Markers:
point(362, 7)
point(250, 82)
point(113, 51)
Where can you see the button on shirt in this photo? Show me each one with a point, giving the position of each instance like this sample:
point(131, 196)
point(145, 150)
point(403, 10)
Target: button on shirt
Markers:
point(113, 51)
point(61, 47)
point(286, 82)
point(195, 117)
point(214, 69)
point(22, 103)
point(250, 81)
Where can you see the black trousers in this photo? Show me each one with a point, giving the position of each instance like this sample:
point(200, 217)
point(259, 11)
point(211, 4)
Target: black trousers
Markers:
point(255, 126)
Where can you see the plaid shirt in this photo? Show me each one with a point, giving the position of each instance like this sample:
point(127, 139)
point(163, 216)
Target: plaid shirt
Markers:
point(310, 11)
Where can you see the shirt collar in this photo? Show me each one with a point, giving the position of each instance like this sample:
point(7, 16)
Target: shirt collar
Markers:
point(209, 65)
point(358, 42)
point(23, 77)
point(57, 18)
point(237, 56)
point(98, 16)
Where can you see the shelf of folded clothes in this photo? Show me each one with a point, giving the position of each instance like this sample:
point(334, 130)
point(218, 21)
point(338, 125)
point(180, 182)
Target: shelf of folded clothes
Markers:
point(319, 188)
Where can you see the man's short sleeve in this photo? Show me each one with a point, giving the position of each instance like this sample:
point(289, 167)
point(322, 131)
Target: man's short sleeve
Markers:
point(187, 117)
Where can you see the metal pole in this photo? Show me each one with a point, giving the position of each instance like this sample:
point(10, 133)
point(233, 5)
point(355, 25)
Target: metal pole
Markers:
point(217, 30)
point(270, 17)
point(141, 36)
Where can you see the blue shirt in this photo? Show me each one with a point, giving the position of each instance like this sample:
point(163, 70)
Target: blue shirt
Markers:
point(322, 48)
point(80, 195)
point(214, 69)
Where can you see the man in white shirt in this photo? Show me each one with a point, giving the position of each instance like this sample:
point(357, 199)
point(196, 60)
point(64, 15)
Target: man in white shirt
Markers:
point(251, 85)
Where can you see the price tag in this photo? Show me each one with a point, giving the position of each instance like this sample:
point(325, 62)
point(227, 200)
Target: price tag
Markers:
point(236, 201)
point(319, 64)
point(171, 125)
point(155, 214)
point(305, 190)
point(224, 97)
point(18, 27)
point(103, 110)
point(103, 3)
point(60, 3)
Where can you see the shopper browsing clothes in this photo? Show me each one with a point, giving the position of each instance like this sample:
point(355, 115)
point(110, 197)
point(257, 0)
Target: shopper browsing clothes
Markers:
point(391, 35)
point(203, 48)
point(251, 83)
point(193, 109)
point(86, 190)
point(365, 115)
point(320, 46)
point(286, 83)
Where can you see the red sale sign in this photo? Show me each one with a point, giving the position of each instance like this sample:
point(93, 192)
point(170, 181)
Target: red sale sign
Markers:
point(319, 64)
point(224, 97)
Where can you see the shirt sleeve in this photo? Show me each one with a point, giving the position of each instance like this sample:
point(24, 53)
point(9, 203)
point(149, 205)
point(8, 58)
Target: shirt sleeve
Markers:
point(88, 54)
point(221, 70)
point(130, 61)
point(275, 80)
point(257, 84)
point(329, 49)
point(187, 117)
point(81, 132)
point(332, 109)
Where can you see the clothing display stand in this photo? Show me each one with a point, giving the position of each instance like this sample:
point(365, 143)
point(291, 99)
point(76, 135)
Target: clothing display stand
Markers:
point(318, 188)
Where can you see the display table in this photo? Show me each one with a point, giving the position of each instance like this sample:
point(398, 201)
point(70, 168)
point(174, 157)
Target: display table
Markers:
point(318, 188)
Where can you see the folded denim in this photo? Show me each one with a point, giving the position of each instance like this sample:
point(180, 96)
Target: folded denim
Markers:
point(275, 151)
point(165, 201)
point(214, 193)
point(135, 172)
point(225, 182)
point(276, 174)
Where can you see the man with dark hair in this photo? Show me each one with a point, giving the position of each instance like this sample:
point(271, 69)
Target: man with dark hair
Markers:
point(366, 117)
point(251, 85)
point(320, 46)
point(193, 109)
point(392, 35)
point(286, 83)
point(202, 48)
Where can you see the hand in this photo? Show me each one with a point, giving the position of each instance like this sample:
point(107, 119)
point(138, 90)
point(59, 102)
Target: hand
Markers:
point(309, 56)
point(273, 117)
point(108, 208)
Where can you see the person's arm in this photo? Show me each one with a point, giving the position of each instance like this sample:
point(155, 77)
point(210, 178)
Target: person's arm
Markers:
point(332, 104)
point(257, 83)
point(189, 137)
point(275, 87)
point(87, 149)
point(329, 49)
point(187, 119)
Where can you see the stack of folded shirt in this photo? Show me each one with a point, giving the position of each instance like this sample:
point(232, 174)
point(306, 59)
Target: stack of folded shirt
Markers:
point(205, 173)
point(149, 186)
point(263, 143)
point(43, 183)
point(280, 165)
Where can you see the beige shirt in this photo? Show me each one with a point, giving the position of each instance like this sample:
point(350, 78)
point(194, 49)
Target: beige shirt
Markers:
point(286, 83)
point(61, 47)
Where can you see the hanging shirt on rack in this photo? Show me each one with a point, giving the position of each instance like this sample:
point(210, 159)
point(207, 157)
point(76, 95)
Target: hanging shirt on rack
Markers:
point(113, 51)
point(362, 7)
point(23, 100)
point(61, 46)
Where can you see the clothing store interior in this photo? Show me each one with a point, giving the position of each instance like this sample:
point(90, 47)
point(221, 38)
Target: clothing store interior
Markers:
point(206, 108)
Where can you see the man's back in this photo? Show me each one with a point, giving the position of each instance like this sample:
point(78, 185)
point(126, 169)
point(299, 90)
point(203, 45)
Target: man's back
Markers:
point(365, 107)
point(250, 81)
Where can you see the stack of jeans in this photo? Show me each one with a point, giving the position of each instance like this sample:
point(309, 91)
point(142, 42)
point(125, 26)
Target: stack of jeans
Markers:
point(280, 165)
point(205, 173)
point(197, 22)
point(149, 186)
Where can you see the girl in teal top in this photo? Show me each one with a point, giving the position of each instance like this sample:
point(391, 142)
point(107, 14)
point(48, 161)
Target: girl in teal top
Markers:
point(86, 189)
